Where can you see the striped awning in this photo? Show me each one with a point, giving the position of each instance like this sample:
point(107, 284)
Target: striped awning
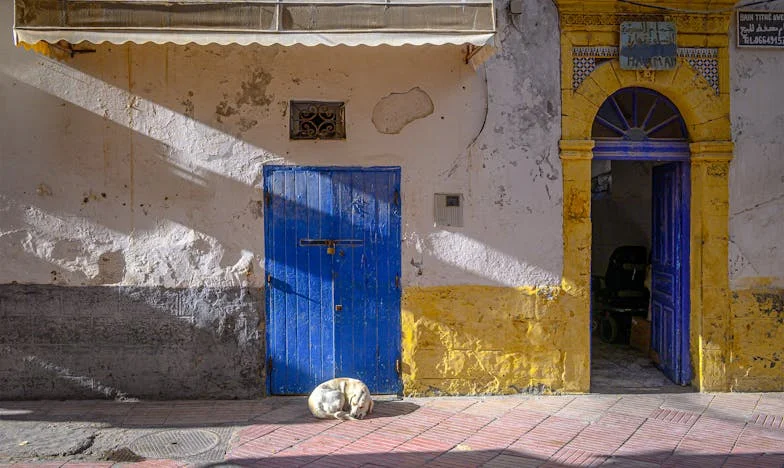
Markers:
point(265, 22)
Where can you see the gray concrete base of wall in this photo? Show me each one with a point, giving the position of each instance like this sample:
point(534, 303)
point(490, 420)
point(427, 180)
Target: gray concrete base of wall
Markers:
point(130, 342)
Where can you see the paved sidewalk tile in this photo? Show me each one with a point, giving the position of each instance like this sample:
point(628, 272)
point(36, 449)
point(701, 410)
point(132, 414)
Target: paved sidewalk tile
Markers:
point(629, 430)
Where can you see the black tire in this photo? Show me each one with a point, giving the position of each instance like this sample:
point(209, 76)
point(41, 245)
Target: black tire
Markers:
point(608, 329)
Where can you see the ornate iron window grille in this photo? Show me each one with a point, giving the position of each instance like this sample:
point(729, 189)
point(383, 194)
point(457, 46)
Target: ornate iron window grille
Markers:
point(316, 120)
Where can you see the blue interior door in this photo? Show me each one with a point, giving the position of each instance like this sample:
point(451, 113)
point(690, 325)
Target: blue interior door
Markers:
point(333, 263)
point(670, 270)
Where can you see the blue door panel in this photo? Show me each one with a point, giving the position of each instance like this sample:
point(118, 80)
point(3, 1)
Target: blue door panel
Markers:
point(669, 270)
point(332, 313)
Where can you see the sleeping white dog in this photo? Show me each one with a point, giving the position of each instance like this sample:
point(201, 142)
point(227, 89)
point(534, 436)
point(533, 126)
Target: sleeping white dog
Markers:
point(341, 398)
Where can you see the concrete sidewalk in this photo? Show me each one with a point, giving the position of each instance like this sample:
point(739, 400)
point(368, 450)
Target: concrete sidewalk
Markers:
point(684, 429)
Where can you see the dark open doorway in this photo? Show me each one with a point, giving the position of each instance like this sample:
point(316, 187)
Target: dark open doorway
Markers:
point(640, 249)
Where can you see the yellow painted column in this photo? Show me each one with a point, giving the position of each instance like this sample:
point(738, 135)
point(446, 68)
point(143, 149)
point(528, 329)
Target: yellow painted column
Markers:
point(576, 158)
point(710, 298)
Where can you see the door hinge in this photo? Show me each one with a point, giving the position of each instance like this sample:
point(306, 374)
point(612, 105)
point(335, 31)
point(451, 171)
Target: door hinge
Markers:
point(397, 198)
point(269, 366)
point(397, 281)
point(269, 279)
point(267, 198)
point(397, 366)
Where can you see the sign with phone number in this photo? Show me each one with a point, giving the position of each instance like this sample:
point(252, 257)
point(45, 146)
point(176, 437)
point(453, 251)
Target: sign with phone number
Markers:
point(761, 29)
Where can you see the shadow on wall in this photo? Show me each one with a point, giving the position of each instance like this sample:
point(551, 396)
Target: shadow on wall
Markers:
point(126, 342)
point(131, 176)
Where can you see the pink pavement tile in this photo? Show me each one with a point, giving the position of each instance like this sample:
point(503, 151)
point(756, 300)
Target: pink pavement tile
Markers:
point(621, 420)
point(572, 457)
point(770, 421)
point(451, 436)
point(422, 444)
point(523, 419)
point(637, 406)
point(510, 461)
point(601, 439)
point(712, 436)
point(37, 465)
point(452, 405)
point(675, 416)
point(89, 464)
point(756, 461)
point(352, 430)
point(594, 402)
point(547, 404)
point(492, 408)
point(490, 440)
point(755, 440)
point(467, 420)
point(252, 432)
point(395, 459)
point(653, 441)
point(547, 438)
point(155, 464)
point(695, 461)
point(464, 458)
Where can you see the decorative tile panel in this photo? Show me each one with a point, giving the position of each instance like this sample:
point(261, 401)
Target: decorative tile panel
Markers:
point(704, 60)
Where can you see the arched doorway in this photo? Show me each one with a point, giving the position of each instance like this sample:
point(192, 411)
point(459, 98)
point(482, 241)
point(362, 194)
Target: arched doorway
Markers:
point(640, 214)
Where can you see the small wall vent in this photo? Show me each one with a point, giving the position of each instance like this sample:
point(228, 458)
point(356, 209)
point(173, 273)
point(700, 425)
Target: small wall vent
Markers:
point(448, 209)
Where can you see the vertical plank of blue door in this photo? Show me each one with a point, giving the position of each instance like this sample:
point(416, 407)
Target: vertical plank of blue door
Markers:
point(272, 232)
point(319, 328)
point(344, 274)
point(276, 267)
point(669, 270)
point(366, 300)
point(378, 257)
point(389, 335)
point(304, 296)
point(684, 266)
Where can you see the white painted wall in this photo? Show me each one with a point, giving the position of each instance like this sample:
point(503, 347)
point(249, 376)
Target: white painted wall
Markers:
point(757, 171)
point(141, 164)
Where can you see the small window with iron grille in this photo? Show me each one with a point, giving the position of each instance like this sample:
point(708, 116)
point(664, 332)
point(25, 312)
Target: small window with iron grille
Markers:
point(316, 120)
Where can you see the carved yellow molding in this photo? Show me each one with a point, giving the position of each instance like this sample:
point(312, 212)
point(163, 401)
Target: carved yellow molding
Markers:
point(576, 149)
point(712, 151)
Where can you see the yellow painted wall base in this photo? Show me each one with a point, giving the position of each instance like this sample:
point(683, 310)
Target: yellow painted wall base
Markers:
point(471, 340)
point(757, 353)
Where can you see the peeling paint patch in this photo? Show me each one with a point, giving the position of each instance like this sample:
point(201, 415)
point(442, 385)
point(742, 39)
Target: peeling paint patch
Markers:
point(188, 105)
point(43, 190)
point(223, 109)
point(254, 90)
point(393, 112)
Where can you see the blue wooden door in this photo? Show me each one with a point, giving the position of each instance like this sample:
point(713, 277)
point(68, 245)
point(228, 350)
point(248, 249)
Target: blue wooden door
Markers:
point(670, 270)
point(332, 243)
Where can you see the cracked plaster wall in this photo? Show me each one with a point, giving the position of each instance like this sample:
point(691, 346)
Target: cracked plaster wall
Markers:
point(756, 252)
point(142, 164)
point(757, 171)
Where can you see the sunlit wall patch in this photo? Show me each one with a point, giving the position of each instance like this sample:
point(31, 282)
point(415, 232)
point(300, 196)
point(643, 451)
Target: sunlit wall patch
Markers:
point(317, 120)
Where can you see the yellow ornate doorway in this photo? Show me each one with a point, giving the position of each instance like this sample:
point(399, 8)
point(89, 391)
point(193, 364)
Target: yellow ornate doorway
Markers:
point(699, 87)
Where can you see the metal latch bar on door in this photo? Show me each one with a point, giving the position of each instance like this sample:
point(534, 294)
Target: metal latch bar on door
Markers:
point(331, 243)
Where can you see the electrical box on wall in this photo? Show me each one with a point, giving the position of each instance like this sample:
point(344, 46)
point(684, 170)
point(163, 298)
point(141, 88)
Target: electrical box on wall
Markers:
point(448, 209)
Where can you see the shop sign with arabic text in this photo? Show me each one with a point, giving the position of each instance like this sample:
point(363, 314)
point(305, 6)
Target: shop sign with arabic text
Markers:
point(761, 29)
point(648, 45)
